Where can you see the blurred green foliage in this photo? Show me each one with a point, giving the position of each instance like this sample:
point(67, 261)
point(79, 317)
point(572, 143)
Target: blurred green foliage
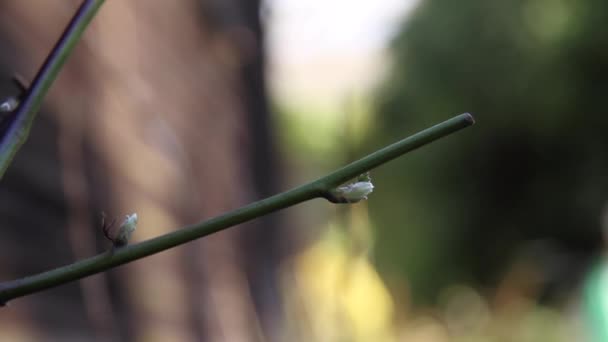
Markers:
point(532, 172)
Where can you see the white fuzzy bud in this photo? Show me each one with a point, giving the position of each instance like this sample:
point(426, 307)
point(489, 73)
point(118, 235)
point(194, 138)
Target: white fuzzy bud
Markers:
point(352, 193)
point(125, 230)
point(9, 105)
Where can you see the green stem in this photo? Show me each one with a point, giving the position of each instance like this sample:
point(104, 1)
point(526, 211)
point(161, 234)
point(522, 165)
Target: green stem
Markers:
point(318, 188)
point(19, 130)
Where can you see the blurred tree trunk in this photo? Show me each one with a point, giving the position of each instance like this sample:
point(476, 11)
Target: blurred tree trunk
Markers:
point(162, 111)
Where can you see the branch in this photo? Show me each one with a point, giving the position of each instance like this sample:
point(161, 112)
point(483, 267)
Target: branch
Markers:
point(19, 129)
point(321, 187)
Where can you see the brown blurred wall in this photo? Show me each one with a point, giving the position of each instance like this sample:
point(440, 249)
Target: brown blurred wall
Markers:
point(162, 111)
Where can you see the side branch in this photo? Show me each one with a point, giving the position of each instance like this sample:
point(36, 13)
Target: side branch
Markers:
point(318, 188)
point(19, 129)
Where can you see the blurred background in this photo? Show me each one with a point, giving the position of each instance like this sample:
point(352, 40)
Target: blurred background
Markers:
point(183, 110)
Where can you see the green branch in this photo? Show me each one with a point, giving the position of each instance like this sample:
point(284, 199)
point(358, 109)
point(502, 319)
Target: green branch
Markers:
point(321, 187)
point(19, 129)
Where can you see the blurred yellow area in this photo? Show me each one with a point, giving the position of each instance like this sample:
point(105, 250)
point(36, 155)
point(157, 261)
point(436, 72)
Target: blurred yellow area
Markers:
point(336, 295)
point(333, 292)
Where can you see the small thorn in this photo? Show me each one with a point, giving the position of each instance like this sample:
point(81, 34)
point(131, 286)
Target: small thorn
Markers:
point(20, 82)
point(107, 227)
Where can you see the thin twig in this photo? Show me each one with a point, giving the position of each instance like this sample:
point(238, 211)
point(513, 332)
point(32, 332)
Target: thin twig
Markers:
point(19, 129)
point(318, 188)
